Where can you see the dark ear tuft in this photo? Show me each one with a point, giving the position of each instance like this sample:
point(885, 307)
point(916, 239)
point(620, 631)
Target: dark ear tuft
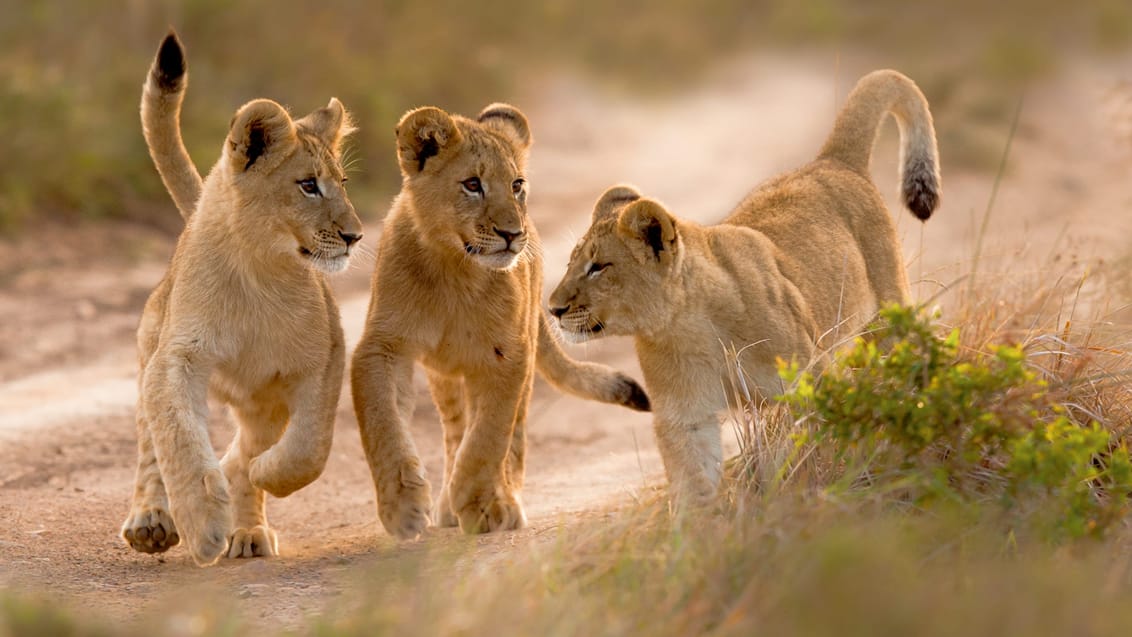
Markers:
point(259, 131)
point(169, 67)
point(429, 148)
point(421, 135)
point(614, 199)
point(257, 143)
point(508, 120)
point(647, 224)
point(654, 237)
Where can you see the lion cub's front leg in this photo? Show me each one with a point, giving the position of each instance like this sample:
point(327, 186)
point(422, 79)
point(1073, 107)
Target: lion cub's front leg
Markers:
point(381, 380)
point(483, 496)
point(174, 393)
point(691, 449)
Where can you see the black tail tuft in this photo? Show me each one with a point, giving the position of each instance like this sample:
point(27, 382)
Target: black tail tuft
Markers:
point(920, 190)
point(169, 68)
point(633, 395)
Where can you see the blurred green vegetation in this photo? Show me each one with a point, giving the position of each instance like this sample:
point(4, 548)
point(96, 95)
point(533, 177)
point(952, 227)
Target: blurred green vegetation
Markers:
point(70, 73)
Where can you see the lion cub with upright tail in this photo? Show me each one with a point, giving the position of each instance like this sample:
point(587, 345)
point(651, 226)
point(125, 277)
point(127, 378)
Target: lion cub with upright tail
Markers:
point(244, 312)
point(457, 287)
point(802, 262)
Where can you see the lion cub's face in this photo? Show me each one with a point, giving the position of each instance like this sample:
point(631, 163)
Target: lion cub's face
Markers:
point(617, 281)
point(466, 180)
point(290, 180)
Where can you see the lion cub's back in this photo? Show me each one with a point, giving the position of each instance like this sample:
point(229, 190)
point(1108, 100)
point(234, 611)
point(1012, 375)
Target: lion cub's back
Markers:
point(835, 238)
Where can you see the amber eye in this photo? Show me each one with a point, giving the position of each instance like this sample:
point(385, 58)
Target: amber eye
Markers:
point(309, 186)
point(472, 184)
point(517, 185)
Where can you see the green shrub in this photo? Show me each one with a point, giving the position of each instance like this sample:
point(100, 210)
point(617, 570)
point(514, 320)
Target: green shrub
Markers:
point(911, 414)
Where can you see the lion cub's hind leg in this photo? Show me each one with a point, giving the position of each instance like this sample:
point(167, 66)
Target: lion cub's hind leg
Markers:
point(514, 470)
point(149, 527)
point(260, 425)
point(448, 395)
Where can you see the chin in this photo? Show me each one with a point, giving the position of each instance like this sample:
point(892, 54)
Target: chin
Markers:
point(505, 260)
point(331, 265)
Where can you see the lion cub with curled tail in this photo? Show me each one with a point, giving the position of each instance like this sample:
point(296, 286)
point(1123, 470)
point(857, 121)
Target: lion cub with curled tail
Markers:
point(803, 261)
point(457, 287)
point(244, 312)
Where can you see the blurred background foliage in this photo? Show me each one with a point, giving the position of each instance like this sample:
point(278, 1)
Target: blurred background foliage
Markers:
point(71, 72)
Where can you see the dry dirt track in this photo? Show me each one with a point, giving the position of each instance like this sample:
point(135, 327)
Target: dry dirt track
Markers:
point(67, 314)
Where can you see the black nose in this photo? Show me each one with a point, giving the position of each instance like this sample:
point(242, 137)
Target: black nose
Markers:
point(559, 311)
point(507, 236)
point(349, 237)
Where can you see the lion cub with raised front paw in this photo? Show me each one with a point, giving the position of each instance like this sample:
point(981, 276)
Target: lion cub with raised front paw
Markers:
point(457, 287)
point(802, 262)
point(244, 312)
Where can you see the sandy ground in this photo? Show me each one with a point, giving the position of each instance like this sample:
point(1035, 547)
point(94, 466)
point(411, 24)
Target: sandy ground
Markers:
point(67, 315)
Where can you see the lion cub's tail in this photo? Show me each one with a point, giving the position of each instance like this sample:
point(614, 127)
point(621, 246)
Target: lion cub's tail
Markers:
point(587, 380)
point(851, 142)
point(161, 123)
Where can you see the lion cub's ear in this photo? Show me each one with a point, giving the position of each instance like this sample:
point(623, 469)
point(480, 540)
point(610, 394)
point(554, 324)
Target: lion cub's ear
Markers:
point(260, 133)
point(650, 229)
point(330, 123)
point(423, 133)
point(614, 199)
point(509, 121)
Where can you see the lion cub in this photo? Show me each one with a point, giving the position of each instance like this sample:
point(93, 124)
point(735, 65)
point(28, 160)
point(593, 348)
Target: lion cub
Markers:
point(802, 262)
point(244, 312)
point(457, 287)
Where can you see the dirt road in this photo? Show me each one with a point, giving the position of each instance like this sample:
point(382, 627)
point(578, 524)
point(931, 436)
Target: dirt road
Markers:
point(67, 369)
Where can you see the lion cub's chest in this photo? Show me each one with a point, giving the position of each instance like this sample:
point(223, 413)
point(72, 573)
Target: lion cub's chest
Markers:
point(479, 329)
point(256, 354)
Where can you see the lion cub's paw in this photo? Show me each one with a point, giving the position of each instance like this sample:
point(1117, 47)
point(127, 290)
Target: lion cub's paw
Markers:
point(403, 502)
point(150, 530)
point(258, 541)
point(489, 512)
point(205, 519)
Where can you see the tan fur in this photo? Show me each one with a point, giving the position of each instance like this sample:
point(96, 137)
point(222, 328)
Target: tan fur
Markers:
point(803, 262)
point(244, 312)
point(457, 287)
